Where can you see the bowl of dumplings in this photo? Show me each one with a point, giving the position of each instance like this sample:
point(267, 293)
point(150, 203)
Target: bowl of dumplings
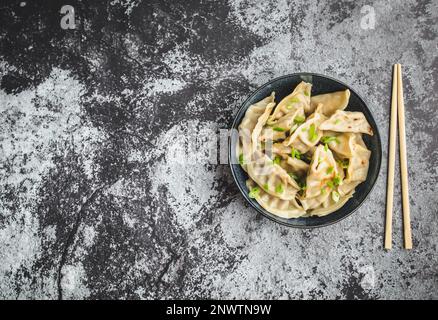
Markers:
point(304, 150)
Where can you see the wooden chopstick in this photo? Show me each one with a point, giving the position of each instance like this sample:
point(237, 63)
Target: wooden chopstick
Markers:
point(403, 161)
point(391, 161)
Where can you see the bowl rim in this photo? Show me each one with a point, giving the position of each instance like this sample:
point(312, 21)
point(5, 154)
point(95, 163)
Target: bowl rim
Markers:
point(244, 193)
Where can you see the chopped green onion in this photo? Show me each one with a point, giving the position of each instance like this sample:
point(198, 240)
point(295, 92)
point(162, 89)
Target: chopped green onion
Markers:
point(293, 175)
point(337, 180)
point(330, 184)
point(266, 187)
point(322, 190)
point(241, 160)
point(327, 139)
point(277, 159)
point(299, 120)
point(304, 129)
point(278, 129)
point(279, 188)
point(337, 121)
point(312, 133)
point(330, 170)
point(335, 196)
point(295, 153)
point(306, 93)
point(254, 192)
point(326, 147)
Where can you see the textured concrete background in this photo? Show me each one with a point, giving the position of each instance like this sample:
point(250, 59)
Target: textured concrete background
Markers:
point(92, 201)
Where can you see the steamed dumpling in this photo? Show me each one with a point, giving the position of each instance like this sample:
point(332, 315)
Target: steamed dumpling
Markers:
point(272, 177)
point(280, 127)
point(331, 102)
point(308, 134)
point(299, 98)
point(282, 208)
point(247, 125)
point(331, 205)
point(261, 121)
point(347, 121)
point(322, 169)
point(358, 165)
point(268, 134)
point(341, 143)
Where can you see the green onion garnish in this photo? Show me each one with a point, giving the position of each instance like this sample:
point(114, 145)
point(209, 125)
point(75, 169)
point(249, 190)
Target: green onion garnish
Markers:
point(306, 93)
point(277, 159)
point(312, 133)
point(241, 160)
point(266, 187)
point(327, 139)
point(299, 120)
point(322, 190)
point(295, 153)
point(330, 170)
point(279, 188)
point(278, 129)
point(254, 192)
point(293, 175)
point(337, 180)
point(326, 147)
point(330, 184)
point(337, 121)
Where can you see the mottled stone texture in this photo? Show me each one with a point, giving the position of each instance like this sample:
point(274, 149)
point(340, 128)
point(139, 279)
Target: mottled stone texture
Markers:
point(93, 202)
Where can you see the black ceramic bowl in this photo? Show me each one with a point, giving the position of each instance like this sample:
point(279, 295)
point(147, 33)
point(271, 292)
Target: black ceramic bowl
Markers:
point(320, 84)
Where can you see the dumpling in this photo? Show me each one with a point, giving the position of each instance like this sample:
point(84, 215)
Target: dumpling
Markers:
point(358, 164)
point(256, 132)
point(247, 125)
point(299, 98)
point(331, 206)
point(268, 134)
point(286, 122)
point(282, 208)
point(340, 143)
point(347, 121)
point(331, 102)
point(320, 179)
point(323, 168)
point(307, 134)
point(272, 177)
point(254, 111)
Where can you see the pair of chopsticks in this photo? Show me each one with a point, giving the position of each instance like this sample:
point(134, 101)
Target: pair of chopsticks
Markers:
point(397, 106)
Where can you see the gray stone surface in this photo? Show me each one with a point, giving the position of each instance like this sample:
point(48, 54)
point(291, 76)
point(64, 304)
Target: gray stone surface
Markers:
point(94, 200)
